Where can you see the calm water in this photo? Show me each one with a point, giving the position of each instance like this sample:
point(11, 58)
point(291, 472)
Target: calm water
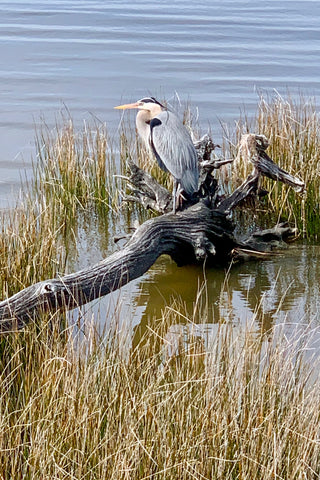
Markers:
point(90, 55)
point(282, 290)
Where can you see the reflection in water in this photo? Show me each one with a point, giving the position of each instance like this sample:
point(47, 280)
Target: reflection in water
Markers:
point(283, 289)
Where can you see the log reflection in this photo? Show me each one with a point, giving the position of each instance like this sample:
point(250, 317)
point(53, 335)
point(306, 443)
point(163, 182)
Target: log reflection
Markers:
point(281, 289)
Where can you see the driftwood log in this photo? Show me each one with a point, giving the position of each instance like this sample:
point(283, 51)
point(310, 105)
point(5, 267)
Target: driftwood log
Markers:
point(202, 232)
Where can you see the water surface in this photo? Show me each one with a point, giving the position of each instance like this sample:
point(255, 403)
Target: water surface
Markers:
point(281, 290)
point(89, 55)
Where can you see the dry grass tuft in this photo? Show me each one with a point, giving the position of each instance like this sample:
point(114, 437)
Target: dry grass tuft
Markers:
point(242, 408)
point(75, 169)
point(73, 175)
point(292, 128)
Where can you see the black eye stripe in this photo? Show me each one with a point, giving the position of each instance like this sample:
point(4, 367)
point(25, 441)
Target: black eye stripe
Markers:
point(151, 100)
point(147, 100)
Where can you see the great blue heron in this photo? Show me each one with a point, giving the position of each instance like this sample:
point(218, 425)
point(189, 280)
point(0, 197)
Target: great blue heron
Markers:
point(166, 136)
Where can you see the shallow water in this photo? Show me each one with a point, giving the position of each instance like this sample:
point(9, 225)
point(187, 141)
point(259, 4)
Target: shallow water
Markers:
point(282, 290)
point(90, 55)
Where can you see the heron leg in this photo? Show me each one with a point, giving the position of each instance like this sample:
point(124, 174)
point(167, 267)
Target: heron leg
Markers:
point(177, 196)
point(180, 197)
point(174, 195)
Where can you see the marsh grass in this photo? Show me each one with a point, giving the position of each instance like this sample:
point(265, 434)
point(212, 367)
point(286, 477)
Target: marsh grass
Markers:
point(293, 130)
point(237, 404)
point(74, 177)
point(76, 169)
point(292, 127)
point(29, 245)
point(243, 408)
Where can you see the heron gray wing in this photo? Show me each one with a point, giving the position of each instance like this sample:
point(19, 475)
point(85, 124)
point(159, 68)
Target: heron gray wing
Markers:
point(174, 149)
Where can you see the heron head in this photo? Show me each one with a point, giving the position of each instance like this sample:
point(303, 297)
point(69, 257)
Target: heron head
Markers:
point(147, 103)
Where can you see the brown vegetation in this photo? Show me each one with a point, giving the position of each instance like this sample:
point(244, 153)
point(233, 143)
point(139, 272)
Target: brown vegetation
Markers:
point(233, 404)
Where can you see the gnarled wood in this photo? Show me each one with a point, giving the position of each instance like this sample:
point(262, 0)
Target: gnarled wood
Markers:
point(252, 149)
point(189, 236)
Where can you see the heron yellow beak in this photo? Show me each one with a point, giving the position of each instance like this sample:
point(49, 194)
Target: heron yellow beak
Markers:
point(128, 105)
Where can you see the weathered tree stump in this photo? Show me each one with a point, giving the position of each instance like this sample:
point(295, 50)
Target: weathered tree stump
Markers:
point(201, 232)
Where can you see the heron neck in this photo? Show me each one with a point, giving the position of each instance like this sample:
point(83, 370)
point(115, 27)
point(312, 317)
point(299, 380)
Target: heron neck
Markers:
point(142, 123)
